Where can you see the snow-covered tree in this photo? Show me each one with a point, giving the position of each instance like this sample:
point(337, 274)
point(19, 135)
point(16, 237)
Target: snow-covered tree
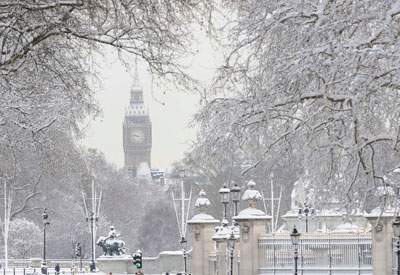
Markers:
point(26, 239)
point(316, 81)
point(157, 31)
point(46, 65)
point(47, 73)
point(160, 232)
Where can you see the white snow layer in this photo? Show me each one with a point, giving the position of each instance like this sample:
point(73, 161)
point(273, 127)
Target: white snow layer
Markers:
point(201, 202)
point(251, 194)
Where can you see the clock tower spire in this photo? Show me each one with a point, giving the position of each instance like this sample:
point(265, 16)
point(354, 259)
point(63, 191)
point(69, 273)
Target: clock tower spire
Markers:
point(137, 130)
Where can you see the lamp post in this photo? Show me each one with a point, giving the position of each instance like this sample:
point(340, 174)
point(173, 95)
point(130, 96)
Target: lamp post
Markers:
point(183, 246)
point(235, 190)
point(45, 222)
point(295, 236)
point(396, 232)
point(307, 211)
point(182, 176)
point(231, 245)
point(92, 221)
point(224, 195)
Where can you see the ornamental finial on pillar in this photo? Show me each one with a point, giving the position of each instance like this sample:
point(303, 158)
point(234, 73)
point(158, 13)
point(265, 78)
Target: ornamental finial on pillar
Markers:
point(202, 202)
point(251, 194)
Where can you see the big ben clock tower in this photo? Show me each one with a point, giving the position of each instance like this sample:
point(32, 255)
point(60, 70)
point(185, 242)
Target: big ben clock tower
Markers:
point(136, 130)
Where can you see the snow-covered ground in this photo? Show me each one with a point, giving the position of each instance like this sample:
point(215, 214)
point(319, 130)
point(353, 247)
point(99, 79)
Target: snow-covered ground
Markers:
point(51, 271)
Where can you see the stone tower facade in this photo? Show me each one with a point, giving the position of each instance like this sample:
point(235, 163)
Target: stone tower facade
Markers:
point(137, 131)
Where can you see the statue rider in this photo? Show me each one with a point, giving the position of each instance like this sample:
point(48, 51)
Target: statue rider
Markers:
point(112, 234)
point(110, 244)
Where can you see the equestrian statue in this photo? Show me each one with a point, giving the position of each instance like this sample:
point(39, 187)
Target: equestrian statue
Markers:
point(111, 246)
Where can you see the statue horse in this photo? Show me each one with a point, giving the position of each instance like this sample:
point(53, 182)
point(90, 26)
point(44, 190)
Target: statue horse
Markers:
point(111, 247)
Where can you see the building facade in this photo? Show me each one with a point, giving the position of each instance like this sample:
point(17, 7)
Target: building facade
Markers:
point(137, 131)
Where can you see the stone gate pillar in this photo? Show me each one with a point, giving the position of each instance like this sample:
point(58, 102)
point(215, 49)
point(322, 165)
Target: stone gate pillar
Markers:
point(222, 255)
point(203, 228)
point(252, 223)
point(382, 241)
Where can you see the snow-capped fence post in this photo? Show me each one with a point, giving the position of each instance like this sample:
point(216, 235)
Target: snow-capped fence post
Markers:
point(203, 229)
point(252, 224)
point(382, 241)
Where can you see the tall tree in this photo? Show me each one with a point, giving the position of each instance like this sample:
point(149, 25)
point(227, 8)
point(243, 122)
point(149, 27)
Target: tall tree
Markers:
point(317, 81)
point(46, 49)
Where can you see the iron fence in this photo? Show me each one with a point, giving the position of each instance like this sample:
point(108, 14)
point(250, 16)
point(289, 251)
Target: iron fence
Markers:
point(339, 253)
point(212, 259)
point(35, 271)
point(394, 258)
point(51, 263)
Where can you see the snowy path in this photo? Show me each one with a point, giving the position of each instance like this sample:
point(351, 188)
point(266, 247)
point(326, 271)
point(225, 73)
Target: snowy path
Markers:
point(63, 271)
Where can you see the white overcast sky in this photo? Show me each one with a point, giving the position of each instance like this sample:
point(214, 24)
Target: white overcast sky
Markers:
point(171, 135)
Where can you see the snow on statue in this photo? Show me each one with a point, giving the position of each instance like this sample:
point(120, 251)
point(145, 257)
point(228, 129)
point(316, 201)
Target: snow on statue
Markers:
point(111, 246)
point(143, 171)
point(298, 196)
point(302, 194)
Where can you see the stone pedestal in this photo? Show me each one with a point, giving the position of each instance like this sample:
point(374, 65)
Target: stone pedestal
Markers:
point(291, 218)
point(236, 255)
point(382, 246)
point(36, 262)
point(252, 224)
point(119, 265)
point(222, 256)
point(203, 228)
point(325, 220)
point(166, 261)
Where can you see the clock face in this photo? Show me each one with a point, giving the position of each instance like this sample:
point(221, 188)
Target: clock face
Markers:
point(137, 136)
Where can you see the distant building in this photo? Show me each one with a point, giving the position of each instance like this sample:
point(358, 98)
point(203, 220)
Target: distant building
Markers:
point(137, 130)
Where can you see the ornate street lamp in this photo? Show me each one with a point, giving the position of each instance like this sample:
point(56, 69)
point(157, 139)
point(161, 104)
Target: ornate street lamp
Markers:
point(235, 191)
point(45, 222)
point(231, 245)
point(224, 195)
point(184, 246)
point(92, 219)
point(307, 211)
point(295, 236)
point(396, 232)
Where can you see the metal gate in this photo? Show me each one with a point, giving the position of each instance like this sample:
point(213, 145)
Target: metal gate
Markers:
point(338, 253)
